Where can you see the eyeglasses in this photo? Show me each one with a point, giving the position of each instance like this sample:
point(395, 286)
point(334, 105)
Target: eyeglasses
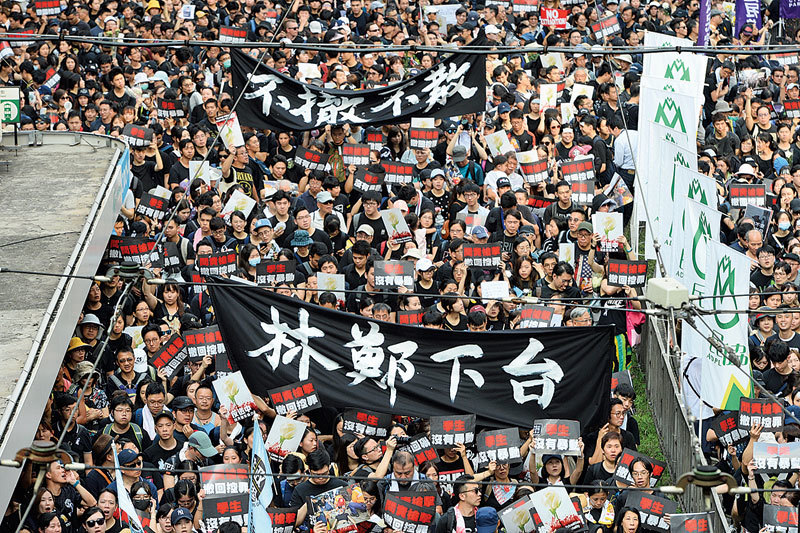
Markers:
point(476, 490)
point(92, 523)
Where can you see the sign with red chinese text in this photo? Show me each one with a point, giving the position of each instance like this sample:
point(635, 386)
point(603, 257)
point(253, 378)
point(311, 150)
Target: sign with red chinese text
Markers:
point(560, 437)
point(202, 342)
point(298, 397)
point(216, 264)
point(536, 316)
point(581, 169)
point(690, 523)
point(421, 448)
point(365, 422)
point(630, 273)
point(137, 135)
point(401, 515)
point(232, 34)
point(582, 191)
point(392, 274)
point(776, 458)
point(283, 520)
point(423, 137)
point(227, 490)
point(780, 519)
point(310, 159)
point(171, 356)
point(623, 473)
point(727, 429)
point(366, 180)
point(618, 378)
point(136, 249)
point(485, 255)
point(535, 172)
point(170, 109)
point(448, 431)
point(652, 509)
point(501, 445)
point(396, 172)
point(755, 411)
point(605, 28)
point(375, 138)
point(744, 194)
point(271, 273)
point(152, 206)
point(355, 154)
point(409, 318)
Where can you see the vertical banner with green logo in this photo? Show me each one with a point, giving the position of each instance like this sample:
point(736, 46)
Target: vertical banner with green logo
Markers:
point(695, 186)
point(727, 274)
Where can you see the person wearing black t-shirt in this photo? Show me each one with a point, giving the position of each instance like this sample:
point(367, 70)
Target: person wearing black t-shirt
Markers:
point(146, 171)
point(167, 443)
point(762, 276)
point(238, 169)
point(318, 462)
point(593, 441)
point(468, 495)
point(783, 322)
point(778, 379)
point(180, 169)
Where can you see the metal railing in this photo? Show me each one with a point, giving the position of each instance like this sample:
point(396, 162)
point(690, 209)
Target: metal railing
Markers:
point(675, 432)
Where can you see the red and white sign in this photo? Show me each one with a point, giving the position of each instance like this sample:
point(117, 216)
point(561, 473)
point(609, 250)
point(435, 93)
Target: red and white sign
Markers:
point(556, 18)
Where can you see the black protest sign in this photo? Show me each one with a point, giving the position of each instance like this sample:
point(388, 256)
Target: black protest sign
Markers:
point(225, 508)
point(399, 173)
point(166, 256)
point(401, 515)
point(366, 422)
point(170, 109)
point(271, 273)
point(791, 108)
point(152, 206)
point(727, 430)
point(136, 249)
point(224, 480)
point(222, 364)
point(202, 342)
point(620, 378)
point(535, 316)
point(232, 34)
point(773, 458)
point(483, 255)
point(605, 28)
point(137, 135)
point(761, 217)
point(582, 169)
point(274, 340)
point(690, 523)
point(630, 273)
point(582, 191)
point(366, 180)
point(653, 510)
point(552, 436)
point(422, 498)
point(355, 154)
point(780, 518)
point(283, 520)
point(755, 411)
point(171, 356)
point(421, 448)
point(501, 445)
point(786, 59)
point(537, 204)
point(451, 430)
point(217, 263)
point(409, 318)
point(48, 7)
point(310, 159)
point(535, 172)
point(623, 471)
point(394, 274)
point(423, 137)
point(272, 100)
point(375, 138)
point(743, 194)
point(298, 397)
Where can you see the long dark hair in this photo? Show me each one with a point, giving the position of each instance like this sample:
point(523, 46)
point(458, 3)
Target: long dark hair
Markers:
point(621, 514)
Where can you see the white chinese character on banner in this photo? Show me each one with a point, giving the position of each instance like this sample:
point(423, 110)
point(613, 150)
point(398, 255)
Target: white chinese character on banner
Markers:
point(548, 373)
point(366, 353)
point(455, 354)
point(446, 82)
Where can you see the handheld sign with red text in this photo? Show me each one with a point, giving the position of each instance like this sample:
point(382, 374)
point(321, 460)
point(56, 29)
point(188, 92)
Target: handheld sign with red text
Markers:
point(298, 397)
point(421, 448)
point(365, 422)
point(423, 137)
point(170, 109)
point(623, 376)
point(451, 430)
point(365, 180)
point(538, 204)
point(536, 316)
point(501, 445)
point(167, 256)
point(311, 160)
point(727, 430)
point(652, 509)
point(482, 255)
point(553, 436)
point(48, 7)
point(152, 206)
point(171, 356)
point(780, 519)
point(556, 18)
point(689, 523)
point(394, 274)
point(409, 318)
point(137, 135)
point(274, 272)
point(232, 34)
point(202, 342)
point(283, 520)
point(375, 138)
point(623, 472)
point(787, 59)
point(136, 249)
point(554, 511)
point(535, 172)
point(755, 411)
point(792, 108)
point(525, 6)
point(227, 494)
point(776, 458)
point(216, 264)
point(605, 28)
point(581, 169)
point(399, 173)
point(401, 515)
point(582, 191)
point(748, 194)
point(630, 273)
point(223, 479)
point(355, 154)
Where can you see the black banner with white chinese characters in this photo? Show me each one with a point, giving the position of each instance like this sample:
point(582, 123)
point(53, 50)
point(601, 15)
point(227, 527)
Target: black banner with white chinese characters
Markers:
point(402, 515)
point(652, 510)
point(171, 356)
point(482, 255)
point(274, 101)
point(630, 273)
point(218, 263)
point(727, 429)
point(507, 378)
point(203, 342)
point(152, 206)
point(282, 519)
point(421, 448)
point(556, 437)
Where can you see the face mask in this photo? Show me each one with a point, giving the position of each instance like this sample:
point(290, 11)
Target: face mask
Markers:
point(785, 225)
point(254, 262)
point(226, 64)
point(141, 505)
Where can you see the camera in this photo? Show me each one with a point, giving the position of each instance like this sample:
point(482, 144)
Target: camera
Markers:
point(402, 439)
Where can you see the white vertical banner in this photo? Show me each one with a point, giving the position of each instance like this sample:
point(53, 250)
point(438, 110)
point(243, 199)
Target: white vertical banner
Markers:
point(693, 185)
point(124, 499)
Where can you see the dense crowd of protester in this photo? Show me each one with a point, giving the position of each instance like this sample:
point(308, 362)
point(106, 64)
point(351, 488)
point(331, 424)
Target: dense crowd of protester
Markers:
point(460, 194)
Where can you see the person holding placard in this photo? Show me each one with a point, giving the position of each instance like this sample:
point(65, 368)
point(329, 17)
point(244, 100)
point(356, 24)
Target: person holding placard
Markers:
point(237, 169)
